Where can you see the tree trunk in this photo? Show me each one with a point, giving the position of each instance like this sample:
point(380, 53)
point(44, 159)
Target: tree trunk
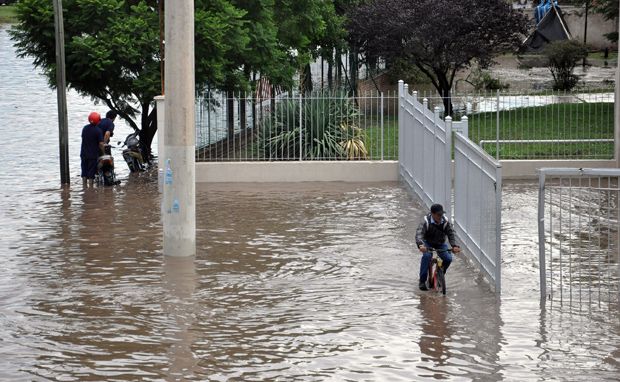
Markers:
point(330, 80)
point(338, 68)
point(305, 80)
point(445, 92)
point(147, 133)
point(353, 70)
point(242, 111)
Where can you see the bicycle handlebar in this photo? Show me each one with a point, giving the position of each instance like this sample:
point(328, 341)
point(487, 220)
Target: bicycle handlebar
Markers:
point(431, 249)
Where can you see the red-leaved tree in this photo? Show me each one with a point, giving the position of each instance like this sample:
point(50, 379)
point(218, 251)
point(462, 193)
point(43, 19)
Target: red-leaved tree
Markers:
point(440, 37)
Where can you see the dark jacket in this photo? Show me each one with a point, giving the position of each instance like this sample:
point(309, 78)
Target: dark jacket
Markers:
point(433, 233)
point(105, 125)
point(91, 137)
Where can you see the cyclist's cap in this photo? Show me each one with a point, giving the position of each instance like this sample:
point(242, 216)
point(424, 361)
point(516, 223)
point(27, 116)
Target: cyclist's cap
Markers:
point(437, 209)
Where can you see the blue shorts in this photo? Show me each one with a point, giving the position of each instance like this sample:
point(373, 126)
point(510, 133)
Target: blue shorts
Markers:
point(89, 168)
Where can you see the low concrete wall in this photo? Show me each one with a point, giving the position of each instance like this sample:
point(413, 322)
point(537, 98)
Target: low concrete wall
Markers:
point(526, 169)
point(307, 171)
point(357, 171)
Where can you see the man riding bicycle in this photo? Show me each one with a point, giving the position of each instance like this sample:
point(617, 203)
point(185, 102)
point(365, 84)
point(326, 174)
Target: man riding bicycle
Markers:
point(432, 232)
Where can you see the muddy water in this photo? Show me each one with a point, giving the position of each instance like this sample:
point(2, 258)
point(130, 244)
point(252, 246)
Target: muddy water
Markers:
point(305, 282)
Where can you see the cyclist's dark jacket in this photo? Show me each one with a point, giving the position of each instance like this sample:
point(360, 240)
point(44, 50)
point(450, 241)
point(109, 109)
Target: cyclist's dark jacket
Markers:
point(433, 233)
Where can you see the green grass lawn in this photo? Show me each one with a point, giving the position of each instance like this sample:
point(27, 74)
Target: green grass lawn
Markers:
point(561, 121)
point(8, 14)
point(601, 56)
point(390, 139)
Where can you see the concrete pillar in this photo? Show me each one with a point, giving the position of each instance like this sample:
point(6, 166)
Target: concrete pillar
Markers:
point(160, 101)
point(179, 202)
point(617, 112)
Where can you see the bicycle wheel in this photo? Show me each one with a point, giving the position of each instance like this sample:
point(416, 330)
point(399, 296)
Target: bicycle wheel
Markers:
point(430, 280)
point(441, 280)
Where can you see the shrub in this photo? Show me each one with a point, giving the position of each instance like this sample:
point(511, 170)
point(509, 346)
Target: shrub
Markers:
point(483, 80)
point(562, 57)
point(329, 129)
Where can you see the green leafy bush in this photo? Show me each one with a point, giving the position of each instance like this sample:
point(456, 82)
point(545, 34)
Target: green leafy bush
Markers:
point(483, 80)
point(562, 57)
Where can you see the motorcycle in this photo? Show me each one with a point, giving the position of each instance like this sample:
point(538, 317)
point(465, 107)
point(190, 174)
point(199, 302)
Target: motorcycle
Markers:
point(105, 175)
point(133, 154)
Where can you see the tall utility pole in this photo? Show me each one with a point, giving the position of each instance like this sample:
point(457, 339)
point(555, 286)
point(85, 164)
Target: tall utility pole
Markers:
point(162, 52)
point(585, 30)
point(179, 202)
point(617, 111)
point(61, 93)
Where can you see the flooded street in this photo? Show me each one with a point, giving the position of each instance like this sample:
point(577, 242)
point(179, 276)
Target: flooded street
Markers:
point(307, 282)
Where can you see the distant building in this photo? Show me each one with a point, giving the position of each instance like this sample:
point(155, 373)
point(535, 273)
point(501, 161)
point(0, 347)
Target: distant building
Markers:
point(522, 4)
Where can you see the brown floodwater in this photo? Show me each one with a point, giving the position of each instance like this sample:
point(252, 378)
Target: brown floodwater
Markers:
point(308, 281)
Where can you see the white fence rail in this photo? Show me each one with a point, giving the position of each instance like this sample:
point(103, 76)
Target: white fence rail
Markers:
point(477, 206)
point(578, 228)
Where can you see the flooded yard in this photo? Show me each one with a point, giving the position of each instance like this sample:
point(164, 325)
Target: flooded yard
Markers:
point(308, 281)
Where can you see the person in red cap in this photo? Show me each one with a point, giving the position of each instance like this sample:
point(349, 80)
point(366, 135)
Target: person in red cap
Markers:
point(92, 148)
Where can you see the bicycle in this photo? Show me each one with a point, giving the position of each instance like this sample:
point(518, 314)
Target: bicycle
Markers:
point(436, 275)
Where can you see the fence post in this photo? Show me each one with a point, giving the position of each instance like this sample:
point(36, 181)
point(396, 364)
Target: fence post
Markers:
point(408, 131)
point(465, 126)
point(541, 236)
point(401, 121)
point(498, 230)
point(382, 126)
point(301, 130)
point(497, 130)
point(448, 168)
point(424, 107)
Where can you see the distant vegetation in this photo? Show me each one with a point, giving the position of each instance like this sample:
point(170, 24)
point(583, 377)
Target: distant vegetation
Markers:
point(7, 14)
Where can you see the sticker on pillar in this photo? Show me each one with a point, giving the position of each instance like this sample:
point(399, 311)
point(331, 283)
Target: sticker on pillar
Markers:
point(175, 206)
point(168, 172)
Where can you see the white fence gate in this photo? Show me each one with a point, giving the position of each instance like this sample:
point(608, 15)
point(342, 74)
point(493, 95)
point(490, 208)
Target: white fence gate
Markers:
point(424, 149)
point(425, 163)
point(579, 237)
point(478, 205)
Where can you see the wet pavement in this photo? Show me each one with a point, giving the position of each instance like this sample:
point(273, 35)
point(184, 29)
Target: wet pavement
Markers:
point(308, 281)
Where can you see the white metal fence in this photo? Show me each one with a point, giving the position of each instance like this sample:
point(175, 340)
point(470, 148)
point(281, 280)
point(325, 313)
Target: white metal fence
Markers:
point(425, 151)
point(547, 125)
point(477, 206)
point(316, 126)
point(425, 163)
point(578, 227)
point(551, 125)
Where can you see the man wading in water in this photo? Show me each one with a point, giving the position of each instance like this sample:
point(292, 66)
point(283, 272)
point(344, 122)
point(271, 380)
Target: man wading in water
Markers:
point(92, 147)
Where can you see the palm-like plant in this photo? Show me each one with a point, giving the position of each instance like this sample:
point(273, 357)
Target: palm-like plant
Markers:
point(327, 129)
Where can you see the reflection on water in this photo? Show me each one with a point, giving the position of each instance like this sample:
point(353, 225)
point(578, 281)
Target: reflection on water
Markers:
point(290, 282)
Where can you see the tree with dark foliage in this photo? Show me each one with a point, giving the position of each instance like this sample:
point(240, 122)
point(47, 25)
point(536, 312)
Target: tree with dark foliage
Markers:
point(440, 37)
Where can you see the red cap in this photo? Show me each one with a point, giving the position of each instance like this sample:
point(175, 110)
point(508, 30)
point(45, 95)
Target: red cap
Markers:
point(94, 118)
